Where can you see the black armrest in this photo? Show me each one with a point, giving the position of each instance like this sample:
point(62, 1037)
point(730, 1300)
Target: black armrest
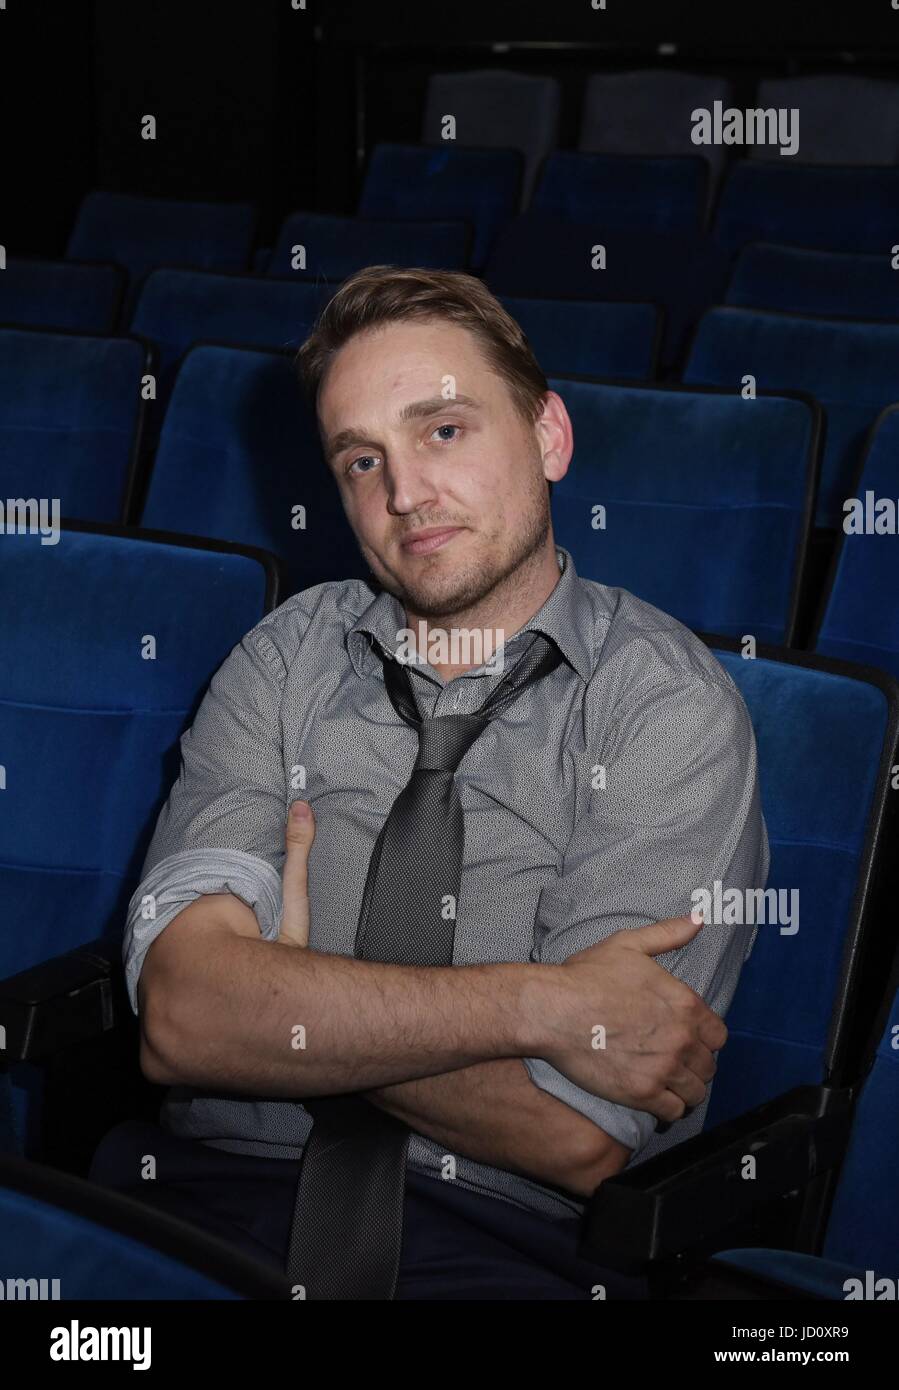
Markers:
point(62, 1001)
point(687, 1198)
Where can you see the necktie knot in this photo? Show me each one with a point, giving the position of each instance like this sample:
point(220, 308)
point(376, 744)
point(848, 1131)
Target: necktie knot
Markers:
point(444, 741)
point(538, 661)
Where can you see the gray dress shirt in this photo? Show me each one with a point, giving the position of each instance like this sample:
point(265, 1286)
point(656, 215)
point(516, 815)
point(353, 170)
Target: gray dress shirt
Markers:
point(600, 800)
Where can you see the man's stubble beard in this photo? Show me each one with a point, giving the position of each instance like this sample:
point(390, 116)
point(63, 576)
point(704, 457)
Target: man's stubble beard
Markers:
point(453, 592)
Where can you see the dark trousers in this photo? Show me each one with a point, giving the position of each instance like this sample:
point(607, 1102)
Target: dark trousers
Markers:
point(457, 1244)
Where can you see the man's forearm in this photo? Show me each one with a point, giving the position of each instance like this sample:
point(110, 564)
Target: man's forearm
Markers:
point(493, 1113)
point(236, 1012)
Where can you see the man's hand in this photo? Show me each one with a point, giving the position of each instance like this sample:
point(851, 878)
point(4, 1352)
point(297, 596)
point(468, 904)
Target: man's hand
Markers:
point(659, 1036)
point(298, 837)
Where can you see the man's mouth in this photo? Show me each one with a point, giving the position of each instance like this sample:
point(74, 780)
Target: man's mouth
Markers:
point(432, 538)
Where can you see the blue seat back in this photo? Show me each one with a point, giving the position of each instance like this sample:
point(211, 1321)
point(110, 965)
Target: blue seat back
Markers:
point(335, 247)
point(481, 186)
point(825, 742)
point(861, 616)
point(178, 308)
point(106, 648)
point(238, 456)
point(839, 209)
point(851, 368)
point(541, 255)
point(707, 504)
point(829, 283)
point(142, 233)
point(579, 338)
point(616, 192)
point(61, 294)
point(71, 412)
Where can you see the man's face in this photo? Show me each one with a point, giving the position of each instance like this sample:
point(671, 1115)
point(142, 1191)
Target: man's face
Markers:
point(422, 435)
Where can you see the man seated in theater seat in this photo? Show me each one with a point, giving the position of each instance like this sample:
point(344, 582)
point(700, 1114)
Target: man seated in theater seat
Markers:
point(566, 1022)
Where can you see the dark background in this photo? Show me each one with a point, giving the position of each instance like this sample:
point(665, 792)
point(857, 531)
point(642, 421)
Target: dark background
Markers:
point(259, 102)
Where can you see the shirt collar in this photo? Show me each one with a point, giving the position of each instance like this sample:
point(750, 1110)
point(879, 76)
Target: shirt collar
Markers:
point(566, 618)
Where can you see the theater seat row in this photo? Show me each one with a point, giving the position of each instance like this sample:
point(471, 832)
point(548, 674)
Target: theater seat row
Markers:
point(471, 195)
point(238, 453)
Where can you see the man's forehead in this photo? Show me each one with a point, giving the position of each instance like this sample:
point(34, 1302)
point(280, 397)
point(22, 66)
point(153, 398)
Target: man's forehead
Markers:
point(386, 356)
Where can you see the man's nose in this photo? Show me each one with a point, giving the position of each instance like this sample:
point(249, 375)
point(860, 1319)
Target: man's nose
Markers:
point(409, 482)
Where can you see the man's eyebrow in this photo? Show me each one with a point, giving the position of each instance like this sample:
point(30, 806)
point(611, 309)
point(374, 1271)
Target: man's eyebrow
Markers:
point(416, 410)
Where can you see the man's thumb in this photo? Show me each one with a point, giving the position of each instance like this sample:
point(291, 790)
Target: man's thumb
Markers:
point(299, 833)
point(668, 935)
point(300, 830)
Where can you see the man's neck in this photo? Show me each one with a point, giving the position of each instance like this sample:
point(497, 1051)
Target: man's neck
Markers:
point(442, 642)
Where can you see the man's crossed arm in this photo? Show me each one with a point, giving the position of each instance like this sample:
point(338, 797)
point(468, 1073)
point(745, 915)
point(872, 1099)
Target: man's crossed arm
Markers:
point(441, 1048)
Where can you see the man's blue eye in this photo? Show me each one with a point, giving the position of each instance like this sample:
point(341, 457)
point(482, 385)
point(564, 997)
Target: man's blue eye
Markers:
point(363, 458)
point(445, 427)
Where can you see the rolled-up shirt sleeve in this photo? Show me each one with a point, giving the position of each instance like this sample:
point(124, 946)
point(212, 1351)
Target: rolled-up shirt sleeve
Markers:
point(222, 827)
point(679, 809)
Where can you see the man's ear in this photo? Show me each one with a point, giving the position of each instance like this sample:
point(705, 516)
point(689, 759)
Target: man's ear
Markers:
point(555, 436)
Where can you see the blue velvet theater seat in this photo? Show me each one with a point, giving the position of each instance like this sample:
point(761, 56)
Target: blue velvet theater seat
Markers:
point(844, 118)
point(71, 414)
point(826, 740)
point(238, 454)
point(862, 1238)
point(707, 501)
point(831, 209)
point(140, 233)
point(833, 284)
point(860, 621)
point(583, 338)
point(107, 645)
point(497, 109)
point(109, 641)
point(178, 308)
point(851, 368)
point(336, 247)
point(480, 186)
point(60, 294)
point(541, 255)
point(620, 192)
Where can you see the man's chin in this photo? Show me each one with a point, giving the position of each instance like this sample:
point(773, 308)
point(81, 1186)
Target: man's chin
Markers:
point(436, 589)
point(435, 600)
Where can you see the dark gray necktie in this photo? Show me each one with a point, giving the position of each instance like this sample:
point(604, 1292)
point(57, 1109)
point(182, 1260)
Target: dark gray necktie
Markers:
point(347, 1227)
